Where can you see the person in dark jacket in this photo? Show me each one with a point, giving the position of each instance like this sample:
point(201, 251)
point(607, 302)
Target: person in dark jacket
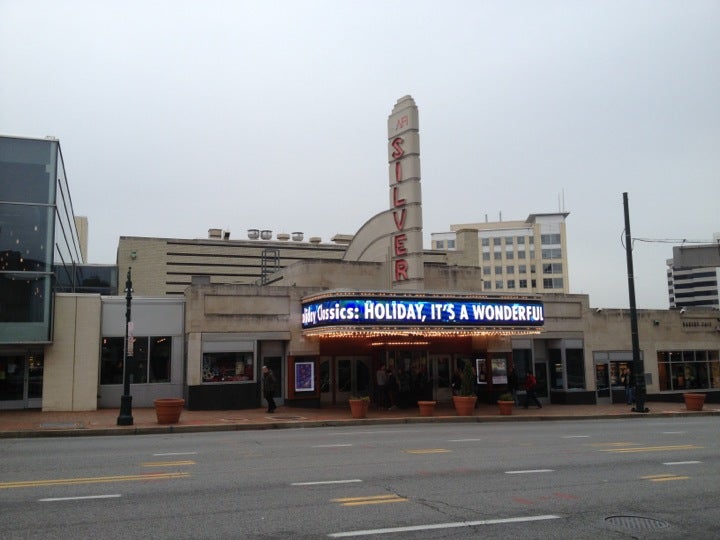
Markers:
point(268, 386)
point(629, 384)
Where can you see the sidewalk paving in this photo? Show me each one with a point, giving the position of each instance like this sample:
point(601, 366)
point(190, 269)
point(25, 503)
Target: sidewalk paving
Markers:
point(35, 423)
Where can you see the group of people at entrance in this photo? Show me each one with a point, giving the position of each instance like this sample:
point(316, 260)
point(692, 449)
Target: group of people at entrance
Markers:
point(400, 389)
point(529, 385)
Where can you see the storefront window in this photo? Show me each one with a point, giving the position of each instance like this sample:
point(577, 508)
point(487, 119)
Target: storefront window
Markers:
point(140, 361)
point(151, 360)
point(575, 364)
point(688, 370)
point(160, 348)
point(111, 360)
point(228, 367)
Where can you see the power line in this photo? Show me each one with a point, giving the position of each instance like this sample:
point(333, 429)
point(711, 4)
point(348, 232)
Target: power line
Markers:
point(674, 241)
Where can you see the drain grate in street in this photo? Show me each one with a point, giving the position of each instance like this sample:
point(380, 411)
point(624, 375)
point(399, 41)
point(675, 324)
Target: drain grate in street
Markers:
point(60, 425)
point(637, 522)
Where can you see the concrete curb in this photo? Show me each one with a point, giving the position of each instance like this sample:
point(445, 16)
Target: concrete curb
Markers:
point(297, 424)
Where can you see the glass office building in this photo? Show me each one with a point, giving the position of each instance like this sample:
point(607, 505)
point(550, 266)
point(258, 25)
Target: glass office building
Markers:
point(39, 247)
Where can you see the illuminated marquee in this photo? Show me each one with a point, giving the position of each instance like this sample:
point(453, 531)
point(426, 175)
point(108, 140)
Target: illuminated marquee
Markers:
point(419, 311)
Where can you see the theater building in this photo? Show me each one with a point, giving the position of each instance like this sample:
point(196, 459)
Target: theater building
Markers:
point(208, 314)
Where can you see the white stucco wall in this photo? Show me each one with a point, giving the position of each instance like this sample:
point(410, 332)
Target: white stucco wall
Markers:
point(70, 381)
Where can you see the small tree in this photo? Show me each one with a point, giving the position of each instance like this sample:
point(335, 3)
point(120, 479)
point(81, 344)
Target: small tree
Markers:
point(466, 385)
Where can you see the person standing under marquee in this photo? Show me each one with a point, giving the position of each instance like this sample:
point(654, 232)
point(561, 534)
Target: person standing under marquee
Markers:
point(530, 389)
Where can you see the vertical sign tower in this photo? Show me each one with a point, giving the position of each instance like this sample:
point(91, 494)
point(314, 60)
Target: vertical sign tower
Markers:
point(406, 242)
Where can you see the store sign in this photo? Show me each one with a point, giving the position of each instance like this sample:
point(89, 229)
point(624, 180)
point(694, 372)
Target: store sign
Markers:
point(419, 311)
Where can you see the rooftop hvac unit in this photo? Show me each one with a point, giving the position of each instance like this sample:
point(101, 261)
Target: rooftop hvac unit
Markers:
point(315, 239)
point(214, 233)
point(283, 236)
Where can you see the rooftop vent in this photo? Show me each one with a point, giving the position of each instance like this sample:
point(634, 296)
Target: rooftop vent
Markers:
point(283, 236)
point(266, 234)
point(315, 239)
point(214, 233)
point(253, 234)
point(297, 236)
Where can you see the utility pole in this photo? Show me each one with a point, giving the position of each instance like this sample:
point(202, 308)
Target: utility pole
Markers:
point(125, 418)
point(638, 365)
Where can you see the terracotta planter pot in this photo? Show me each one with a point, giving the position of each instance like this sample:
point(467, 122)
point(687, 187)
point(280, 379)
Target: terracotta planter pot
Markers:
point(694, 402)
point(168, 410)
point(464, 405)
point(506, 407)
point(427, 408)
point(359, 407)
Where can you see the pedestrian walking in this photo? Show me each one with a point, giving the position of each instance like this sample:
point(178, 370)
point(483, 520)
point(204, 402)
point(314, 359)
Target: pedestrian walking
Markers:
point(268, 385)
point(530, 389)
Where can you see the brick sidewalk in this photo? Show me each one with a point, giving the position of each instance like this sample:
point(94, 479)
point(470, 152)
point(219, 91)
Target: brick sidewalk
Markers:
point(35, 423)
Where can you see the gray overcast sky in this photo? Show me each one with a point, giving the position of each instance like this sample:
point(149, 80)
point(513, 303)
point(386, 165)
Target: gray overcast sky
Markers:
point(178, 116)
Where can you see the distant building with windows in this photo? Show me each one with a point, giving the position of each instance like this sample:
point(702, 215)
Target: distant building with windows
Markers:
point(518, 256)
point(693, 275)
point(168, 266)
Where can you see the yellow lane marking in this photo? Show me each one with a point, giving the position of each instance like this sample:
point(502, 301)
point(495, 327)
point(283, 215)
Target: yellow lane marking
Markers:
point(92, 480)
point(653, 448)
point(167, 463)
point(375, 499)
point(663, 477)
point(428, 451)
point(613, 444)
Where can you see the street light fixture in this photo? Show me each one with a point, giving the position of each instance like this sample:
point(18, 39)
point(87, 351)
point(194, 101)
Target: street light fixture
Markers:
point(125, 418)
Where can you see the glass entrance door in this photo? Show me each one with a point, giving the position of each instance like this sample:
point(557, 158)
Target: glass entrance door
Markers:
point(342, 377)
point(602, 383)
point(440, 375)
point(541, 375)
point(21, 380)
point(352, 377)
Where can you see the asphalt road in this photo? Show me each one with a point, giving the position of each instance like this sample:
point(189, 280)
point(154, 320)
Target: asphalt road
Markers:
point(627, 478)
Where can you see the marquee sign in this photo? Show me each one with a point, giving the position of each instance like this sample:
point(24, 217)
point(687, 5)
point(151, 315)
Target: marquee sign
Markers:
point(435, 312)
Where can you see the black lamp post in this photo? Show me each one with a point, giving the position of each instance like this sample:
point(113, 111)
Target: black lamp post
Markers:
point(638, 364)
point(125, 418)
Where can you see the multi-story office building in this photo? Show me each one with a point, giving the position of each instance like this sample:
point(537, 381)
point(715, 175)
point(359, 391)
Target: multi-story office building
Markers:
point(694, 274)
point(518, 256)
